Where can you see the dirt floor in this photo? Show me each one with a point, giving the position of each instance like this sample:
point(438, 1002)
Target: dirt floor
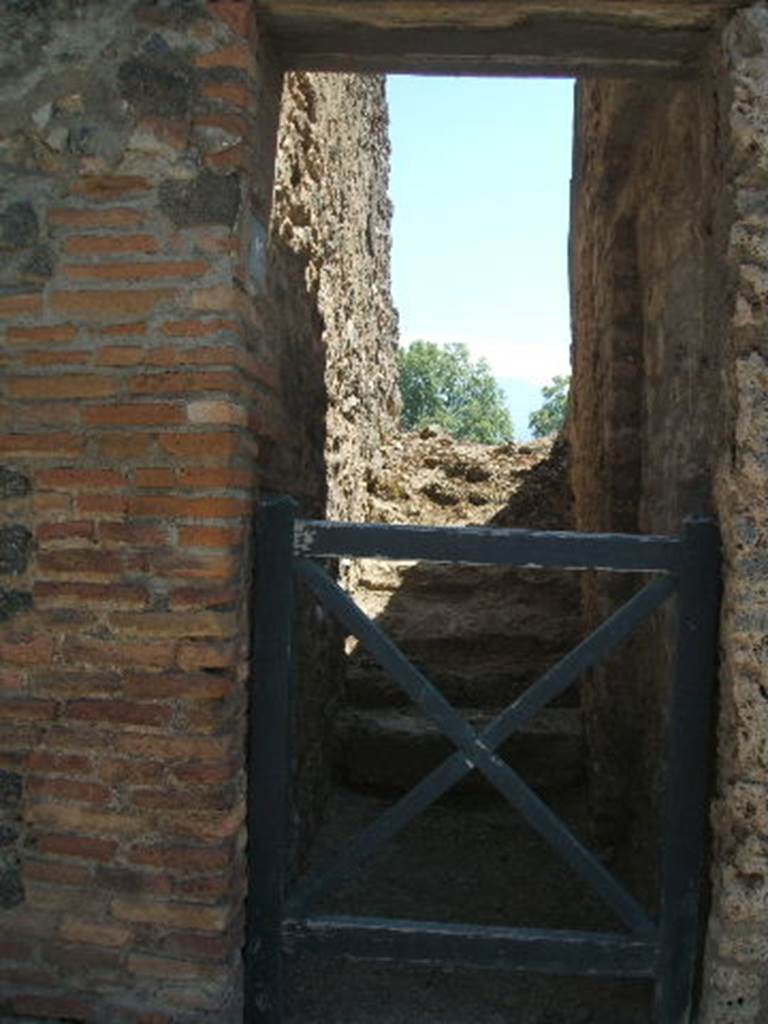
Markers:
point(469, 859)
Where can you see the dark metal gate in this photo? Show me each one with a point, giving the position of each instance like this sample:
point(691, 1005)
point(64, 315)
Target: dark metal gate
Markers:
point(280, 920)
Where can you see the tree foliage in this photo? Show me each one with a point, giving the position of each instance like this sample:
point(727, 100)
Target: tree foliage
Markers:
point(550, 418)
point(441, 386)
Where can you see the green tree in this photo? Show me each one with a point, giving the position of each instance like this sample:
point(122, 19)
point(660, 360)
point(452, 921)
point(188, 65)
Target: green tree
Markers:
point(549, 419)
point(440, 385)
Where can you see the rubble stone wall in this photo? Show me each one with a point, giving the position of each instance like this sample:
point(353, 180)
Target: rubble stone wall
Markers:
point(645, 420)
point(736, 990)
point(334, 329)
point(669, 419)
point(331, 267)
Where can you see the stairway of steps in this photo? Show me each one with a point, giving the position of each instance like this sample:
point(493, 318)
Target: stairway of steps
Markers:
point(482, 635)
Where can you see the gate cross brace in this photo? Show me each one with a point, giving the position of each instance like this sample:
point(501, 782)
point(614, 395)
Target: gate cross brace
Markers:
point(478, 750)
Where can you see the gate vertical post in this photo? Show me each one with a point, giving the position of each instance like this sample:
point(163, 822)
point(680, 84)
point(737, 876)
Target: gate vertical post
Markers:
point(269, 761)
point(688, 771)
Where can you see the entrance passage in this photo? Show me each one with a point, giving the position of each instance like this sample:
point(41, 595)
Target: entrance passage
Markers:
point(281, 921)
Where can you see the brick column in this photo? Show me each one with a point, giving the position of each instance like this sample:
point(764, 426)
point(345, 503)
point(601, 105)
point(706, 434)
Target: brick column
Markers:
point(133, 231)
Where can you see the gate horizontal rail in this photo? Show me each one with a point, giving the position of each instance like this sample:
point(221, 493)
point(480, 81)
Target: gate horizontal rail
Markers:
point(434, 944)
point(279, 918)
point(473, 545)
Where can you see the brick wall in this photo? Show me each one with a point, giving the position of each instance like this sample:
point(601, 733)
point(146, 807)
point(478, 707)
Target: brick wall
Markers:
point(136, 177)
point(168, 350)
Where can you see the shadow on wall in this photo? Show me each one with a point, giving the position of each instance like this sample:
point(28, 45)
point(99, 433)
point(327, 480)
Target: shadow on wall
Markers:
point(292, 460)
point(331, 328)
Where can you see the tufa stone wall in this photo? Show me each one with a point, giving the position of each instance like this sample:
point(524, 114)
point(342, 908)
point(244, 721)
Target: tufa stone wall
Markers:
point(152, 339)
point(669, 418)
point(736, 991)
point(331, 237)
point(335, 330)
point(646, 254)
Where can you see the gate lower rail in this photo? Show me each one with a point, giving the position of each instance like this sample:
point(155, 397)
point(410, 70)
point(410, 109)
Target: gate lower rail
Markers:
point(280, 922)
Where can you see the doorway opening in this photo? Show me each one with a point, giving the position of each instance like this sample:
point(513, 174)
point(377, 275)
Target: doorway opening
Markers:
point(618, 404)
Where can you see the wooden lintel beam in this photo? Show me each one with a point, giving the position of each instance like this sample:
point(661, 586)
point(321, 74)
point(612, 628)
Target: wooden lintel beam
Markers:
point(566, 47)
point(385, 14)
point(506, 37)
point(475, 67)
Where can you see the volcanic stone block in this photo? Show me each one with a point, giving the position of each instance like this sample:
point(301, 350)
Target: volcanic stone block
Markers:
point(18, 226)
point(13, 601)
point(13, 484)
point(9, 833)
point(15, 546)
point(10, 790)
point(11, 887)
point(159, 87)
point(29, 8)
point(40, 265)
point(208, 199)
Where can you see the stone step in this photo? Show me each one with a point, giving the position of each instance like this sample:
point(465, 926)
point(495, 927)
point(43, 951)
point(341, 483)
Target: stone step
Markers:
point(490, 683)
point(391, 750)
point(432, 602)
point(528, 623)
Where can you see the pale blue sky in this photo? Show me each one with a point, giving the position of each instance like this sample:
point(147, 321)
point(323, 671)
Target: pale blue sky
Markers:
point(480, 183)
